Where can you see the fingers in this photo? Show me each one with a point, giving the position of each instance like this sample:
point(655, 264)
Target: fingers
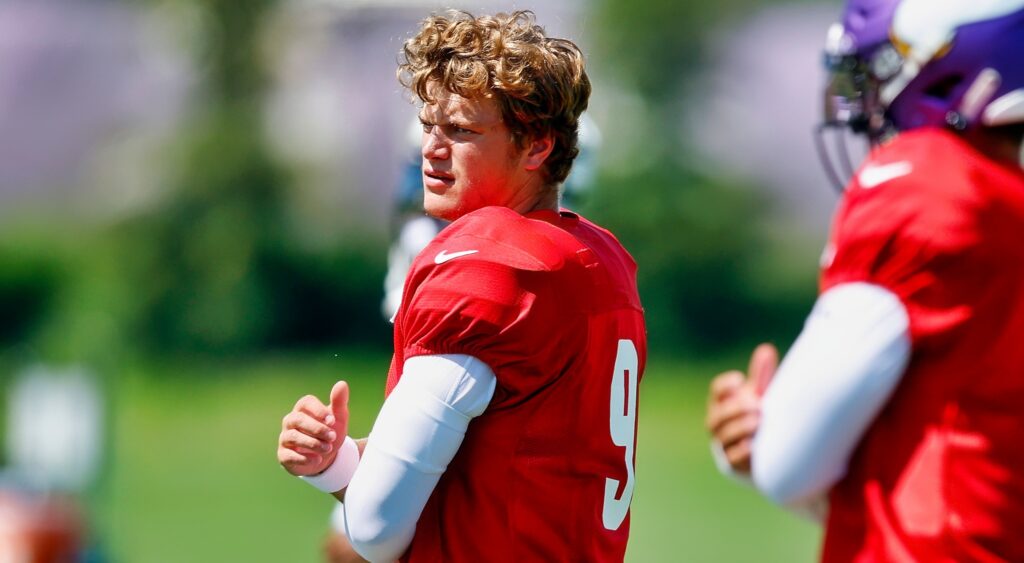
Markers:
point(764, 361)
point(314, 408)
point(737, 430)
point(309, 425)
point(299, 462)
point(305, 427)
point(738, 403)
point(302, 454)
point(296, 439)
point(724, 384)
point(287, 456)
point(307, 437)
point(733, 416)
point(734, 406)
point(339, 406)
point(739, 455)
point(722, 387)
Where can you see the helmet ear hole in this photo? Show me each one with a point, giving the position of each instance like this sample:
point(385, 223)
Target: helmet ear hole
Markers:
point(943, 89)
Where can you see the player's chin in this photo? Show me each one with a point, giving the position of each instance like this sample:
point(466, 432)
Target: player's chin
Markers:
point(440, 207)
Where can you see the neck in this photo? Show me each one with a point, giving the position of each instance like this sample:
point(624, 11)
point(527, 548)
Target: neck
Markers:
point(547, 200)
point(535, 197)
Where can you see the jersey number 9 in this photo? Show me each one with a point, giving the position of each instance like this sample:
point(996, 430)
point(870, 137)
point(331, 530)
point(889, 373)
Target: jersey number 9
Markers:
point(622, 424)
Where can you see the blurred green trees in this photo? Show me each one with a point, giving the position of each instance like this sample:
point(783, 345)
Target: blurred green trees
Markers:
point(716, 268)
point(712, 272)
point(220, 266)
point(31, 274)
point(223, 263)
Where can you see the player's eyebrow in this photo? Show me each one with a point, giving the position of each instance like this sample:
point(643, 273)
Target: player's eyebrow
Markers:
point(444, 122)
point(452, 122)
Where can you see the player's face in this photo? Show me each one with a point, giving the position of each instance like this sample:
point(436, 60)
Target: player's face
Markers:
point(470, 159)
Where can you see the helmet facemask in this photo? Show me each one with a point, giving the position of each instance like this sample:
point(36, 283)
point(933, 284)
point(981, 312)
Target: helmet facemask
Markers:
point(851, 99)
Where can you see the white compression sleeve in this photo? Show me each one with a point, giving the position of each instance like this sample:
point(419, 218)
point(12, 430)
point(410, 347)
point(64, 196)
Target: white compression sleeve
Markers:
point(417, 433)
point(338, 519)
point(813, 509)
point(834, 381)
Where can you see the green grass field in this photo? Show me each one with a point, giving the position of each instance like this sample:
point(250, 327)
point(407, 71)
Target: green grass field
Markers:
point(193, 475)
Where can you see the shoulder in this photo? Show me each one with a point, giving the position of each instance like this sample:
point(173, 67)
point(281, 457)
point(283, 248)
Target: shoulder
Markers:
point(505, 238)
point(921, 186)
point(491, 265)
point(916, 212)
point(497, 256)
point(491, 285)
point(928, 166)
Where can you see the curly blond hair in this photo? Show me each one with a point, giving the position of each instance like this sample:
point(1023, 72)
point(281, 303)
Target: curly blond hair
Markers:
point(538, 81)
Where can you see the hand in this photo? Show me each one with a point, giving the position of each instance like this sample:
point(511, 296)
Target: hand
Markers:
point(312, 432)
point(734, 406)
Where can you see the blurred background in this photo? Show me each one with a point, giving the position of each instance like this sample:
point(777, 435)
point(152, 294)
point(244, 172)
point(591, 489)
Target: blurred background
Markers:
point(196, 201)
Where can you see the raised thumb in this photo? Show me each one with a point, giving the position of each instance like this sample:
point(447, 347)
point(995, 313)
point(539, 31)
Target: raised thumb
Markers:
point(763, 364)
point(339, 406)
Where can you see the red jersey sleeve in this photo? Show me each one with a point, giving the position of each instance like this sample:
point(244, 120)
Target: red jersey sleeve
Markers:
point(509, 308)
point(917, 235)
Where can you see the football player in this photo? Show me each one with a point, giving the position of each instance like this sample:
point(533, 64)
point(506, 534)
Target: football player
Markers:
point(509, 428)
point(898, 408)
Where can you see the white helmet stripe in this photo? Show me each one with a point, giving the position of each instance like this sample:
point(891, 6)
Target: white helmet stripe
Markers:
point(925, 27)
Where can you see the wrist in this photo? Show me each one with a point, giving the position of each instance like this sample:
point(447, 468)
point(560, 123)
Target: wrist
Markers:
point(339, 473)
point(726, 468)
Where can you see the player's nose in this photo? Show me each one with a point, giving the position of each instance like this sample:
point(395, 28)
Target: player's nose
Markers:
point(435, 147)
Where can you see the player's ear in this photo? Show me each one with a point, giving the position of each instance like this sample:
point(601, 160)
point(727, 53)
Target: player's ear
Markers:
point(538, 151)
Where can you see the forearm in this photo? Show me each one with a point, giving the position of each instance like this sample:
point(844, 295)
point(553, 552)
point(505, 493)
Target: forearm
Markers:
point(417, 433)
point(361, 444)
point(838, 375)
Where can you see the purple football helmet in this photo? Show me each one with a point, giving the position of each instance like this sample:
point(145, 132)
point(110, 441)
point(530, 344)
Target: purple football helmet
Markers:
point(963, 64)
point(895, 65)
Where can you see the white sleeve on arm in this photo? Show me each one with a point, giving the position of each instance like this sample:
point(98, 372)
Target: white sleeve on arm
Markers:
point(338, 519)
point(833, 382)
point(417, 433)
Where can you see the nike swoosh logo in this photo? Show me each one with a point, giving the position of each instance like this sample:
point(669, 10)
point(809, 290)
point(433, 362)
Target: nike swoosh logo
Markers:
point(873, 176)
point(443, 256)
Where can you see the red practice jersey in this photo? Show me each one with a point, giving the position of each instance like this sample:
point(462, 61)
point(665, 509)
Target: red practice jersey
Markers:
point(939, 476)
point(549, 302)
